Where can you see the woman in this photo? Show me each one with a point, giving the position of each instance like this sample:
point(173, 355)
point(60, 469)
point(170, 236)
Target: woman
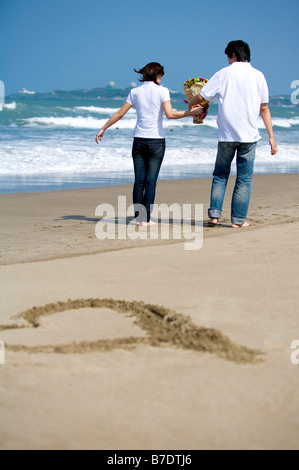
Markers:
point(150, 100)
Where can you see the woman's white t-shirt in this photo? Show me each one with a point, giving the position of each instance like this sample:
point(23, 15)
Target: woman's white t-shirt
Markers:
point(148, 100)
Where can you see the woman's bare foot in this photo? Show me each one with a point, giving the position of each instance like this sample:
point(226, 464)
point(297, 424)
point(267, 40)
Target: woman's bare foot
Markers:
point(246, 224)
point(147, 224)
point(213, 221)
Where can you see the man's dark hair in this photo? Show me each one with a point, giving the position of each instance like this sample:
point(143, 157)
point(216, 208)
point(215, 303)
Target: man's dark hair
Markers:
point(240, 48)
point(150, 72)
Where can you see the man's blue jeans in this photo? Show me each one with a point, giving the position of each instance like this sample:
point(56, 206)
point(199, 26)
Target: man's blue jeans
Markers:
point(148, 156)
point(242, 191)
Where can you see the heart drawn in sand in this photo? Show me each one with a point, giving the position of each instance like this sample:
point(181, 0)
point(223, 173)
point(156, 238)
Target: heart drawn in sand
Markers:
point(161, 325)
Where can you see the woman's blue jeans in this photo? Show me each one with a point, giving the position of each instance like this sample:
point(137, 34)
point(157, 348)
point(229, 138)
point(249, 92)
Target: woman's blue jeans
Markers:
point(148, 156)
point(242, 191)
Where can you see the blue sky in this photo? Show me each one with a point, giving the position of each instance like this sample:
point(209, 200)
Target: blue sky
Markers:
point(71, 44)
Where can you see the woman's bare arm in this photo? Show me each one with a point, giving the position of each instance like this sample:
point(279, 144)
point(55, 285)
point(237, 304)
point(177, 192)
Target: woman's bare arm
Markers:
point(171, 114)
point(115, 118)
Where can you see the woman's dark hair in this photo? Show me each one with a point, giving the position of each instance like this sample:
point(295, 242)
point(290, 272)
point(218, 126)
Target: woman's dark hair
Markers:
point(240, 48)
point(150, 72)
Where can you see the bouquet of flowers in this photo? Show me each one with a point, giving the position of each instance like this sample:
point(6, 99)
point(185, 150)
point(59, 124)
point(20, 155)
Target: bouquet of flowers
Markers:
point(192, 88)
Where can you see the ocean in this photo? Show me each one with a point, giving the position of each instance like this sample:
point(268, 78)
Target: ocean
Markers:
point(50, 145)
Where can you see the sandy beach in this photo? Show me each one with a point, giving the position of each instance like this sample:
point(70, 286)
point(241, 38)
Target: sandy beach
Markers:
point(141, 344)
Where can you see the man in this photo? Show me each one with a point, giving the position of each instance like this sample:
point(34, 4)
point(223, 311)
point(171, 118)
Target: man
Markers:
point(243, 95)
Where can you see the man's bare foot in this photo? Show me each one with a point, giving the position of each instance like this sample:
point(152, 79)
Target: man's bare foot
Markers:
point(213, 221)
point(147, 224)
point(246, 224)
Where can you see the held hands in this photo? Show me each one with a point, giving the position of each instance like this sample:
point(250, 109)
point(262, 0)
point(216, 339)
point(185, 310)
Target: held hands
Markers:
point(99, 136)
point(198, 110)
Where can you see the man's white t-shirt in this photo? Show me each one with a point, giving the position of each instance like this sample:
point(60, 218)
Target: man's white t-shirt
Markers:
point(148, 99)
point(241, 89)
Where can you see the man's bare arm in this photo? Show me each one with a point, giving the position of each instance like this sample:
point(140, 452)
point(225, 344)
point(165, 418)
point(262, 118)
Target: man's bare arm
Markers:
point(198, 99)
point(266, 117)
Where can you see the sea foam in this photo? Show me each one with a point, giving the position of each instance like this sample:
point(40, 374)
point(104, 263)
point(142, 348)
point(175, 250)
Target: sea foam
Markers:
point(129, 120)
point(43, 138)
point(72, 155)
point(10, 106)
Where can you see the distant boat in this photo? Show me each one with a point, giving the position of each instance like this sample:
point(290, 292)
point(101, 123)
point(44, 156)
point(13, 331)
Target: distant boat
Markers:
point(27, 92)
